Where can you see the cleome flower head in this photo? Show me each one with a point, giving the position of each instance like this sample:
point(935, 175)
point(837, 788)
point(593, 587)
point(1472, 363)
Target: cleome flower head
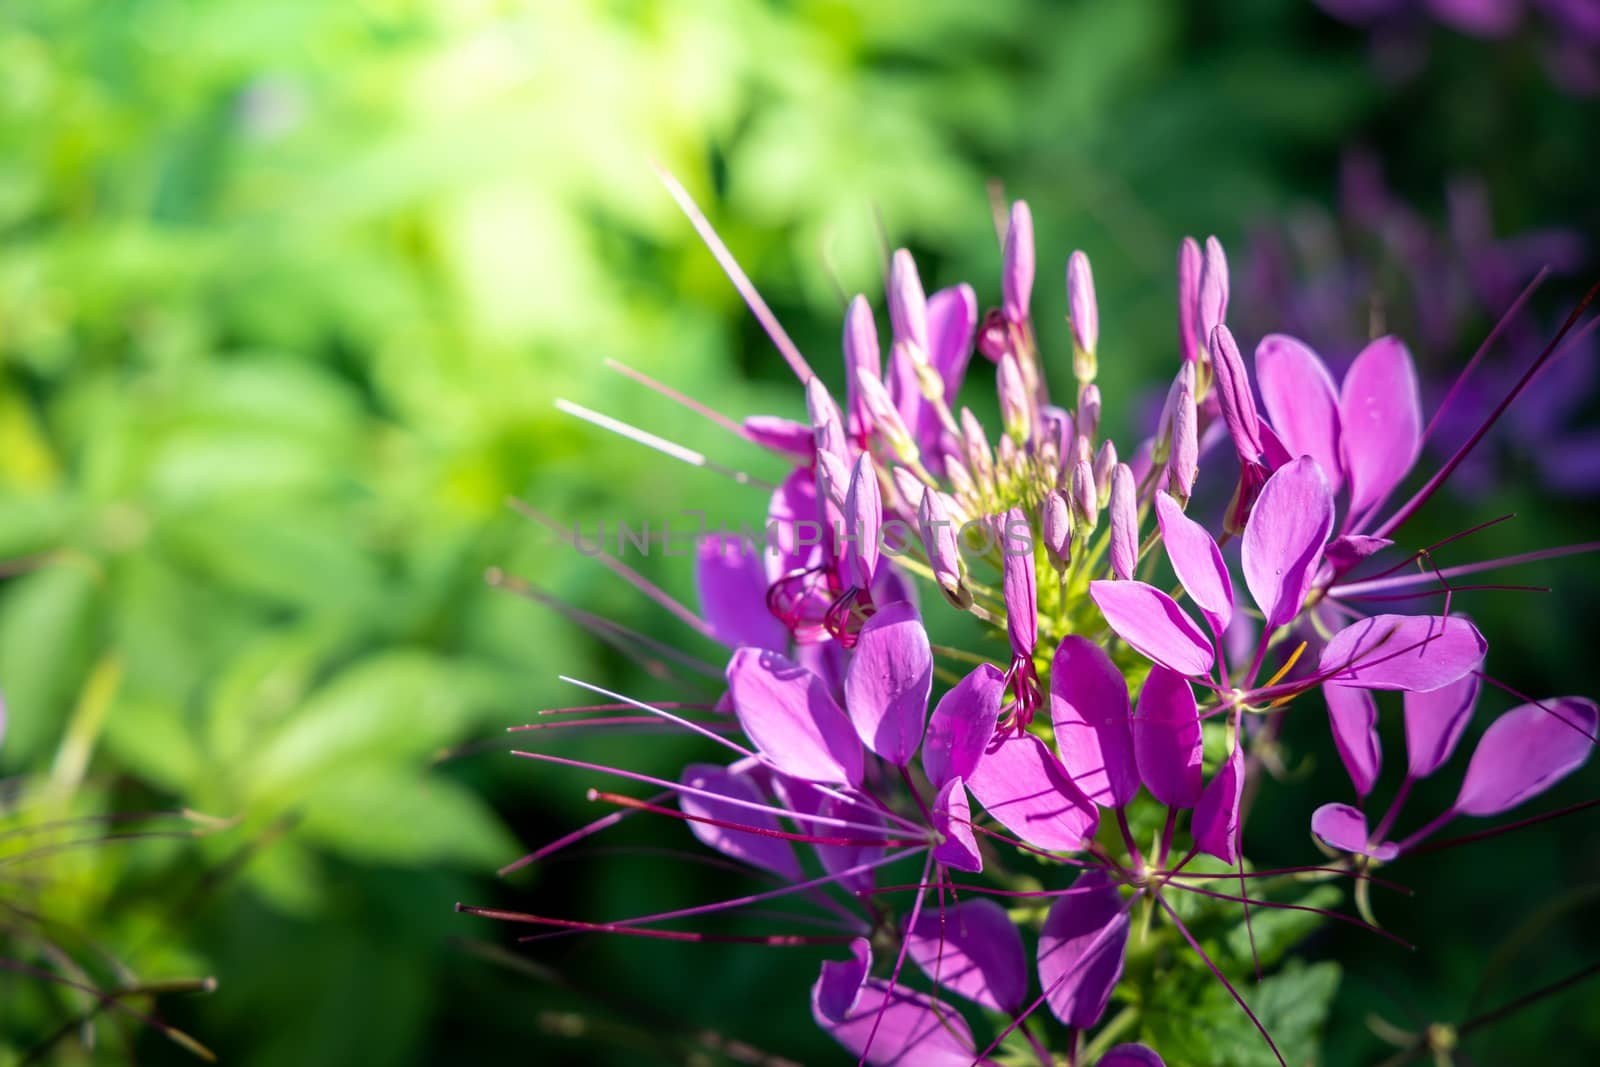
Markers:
point(1030, 817)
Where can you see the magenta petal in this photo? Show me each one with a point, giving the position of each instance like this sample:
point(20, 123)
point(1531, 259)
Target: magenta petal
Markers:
point(973, 949)
point(962, 725)
point(1081, 947)
point(781, 435)
point(805, 799)
point(1381, 419)
point(1434, 722)
point(732, 581)
point(887, 686)
point(1414, 653)
point(1091, 712)
point(1344, 828)
point(1353, 716)
point(952, 820)
point(1166, 739)
point(1526, 751)
point(952, 319)
point(1301, 401)
point(838, 987)
point(1019, 582)
point(1347, 550)
point(1130, 1056)
point(1216, 818)
point(902, 1027)
point(1283, 540)
point(1197, 561)
point(1152, 622)
point(769, 853)
point(1022, 784)
point(787, 713)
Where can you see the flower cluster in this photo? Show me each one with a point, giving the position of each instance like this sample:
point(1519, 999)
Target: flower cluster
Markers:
point(1130, 679)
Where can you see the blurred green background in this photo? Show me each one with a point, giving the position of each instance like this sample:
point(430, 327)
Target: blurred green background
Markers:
point(287, 290)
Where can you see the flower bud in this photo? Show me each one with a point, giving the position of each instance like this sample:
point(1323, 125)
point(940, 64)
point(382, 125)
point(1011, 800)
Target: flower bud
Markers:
point(994, 335)
point(1184, 466)
point(1105, 464)
point(827, 428)
point(1085, 500)
point(884, 418)
point(1085, 315)
point(1124, 510)
point(908, 488)
point(1088, 421)
point(1234, 396)
point(1190, 340)
point(1056, 521)
point(1056, 426)
point(980, 458)
point(1184, 380)
point(1016, 279)
point(1015, 406)
point(1213, 288)
point(861, 354)
point(960, 480)
point(863, 516)
point(1009, 459)
point(940, 539)
point(908, 305)
point(833, 484)
point(1019, 582)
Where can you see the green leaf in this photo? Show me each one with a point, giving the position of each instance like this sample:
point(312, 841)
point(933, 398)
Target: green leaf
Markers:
point(379, 814)
point(47, 635)
point(1195, 1021)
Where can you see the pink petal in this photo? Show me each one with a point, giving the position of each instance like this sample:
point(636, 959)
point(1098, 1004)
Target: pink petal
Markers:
point(1216, 817)
point(962, 725)
point(769, 853)
point(781, 435)
point(1381, 420)
point(1344, 828)
point(1283, 540)
point(1130, 1056)
point(1353, 716)
point(1434, 722)
point(1414, 653)
point(732, 580)
point(1526, 751)
point(1152, 622)
point(1301, 401)
point(1197, 561)
point(973, 949)
point(952, 820)
point(786, 711)
point(902, 1027)
point(1092, 715)
point(1081, 948)
point(1025, 788)
point(1167, 740)
point(889, 680)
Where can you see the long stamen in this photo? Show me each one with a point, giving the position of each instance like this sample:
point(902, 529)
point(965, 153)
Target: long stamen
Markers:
point(1234, 993)
point(1496, 831)
point(659, 444)
point(770, 940)
point(1483, 349)
point(1540, 704)
point(1326, 913)
point(688, 724)
point(741, 282)
point(709, 414)
point(1356, 589)
point(899, 962)
point(617, 567)
point(761, 831)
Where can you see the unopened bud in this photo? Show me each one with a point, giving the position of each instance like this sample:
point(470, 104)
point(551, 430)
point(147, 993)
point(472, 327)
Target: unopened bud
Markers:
point(1016, 279)
point(980, 458)
point(1184, 380)
point(861, 354)
point(1015, 403)
point(960, 480)
point(1056, 521)
point(1190, 265)
point(884, 418)
point(1105, 464)
point(908, 488)
point(863, 514)
point(1213, 288)
point(1085, 499)
point(827, 428)
point(940, 539)
point(994, 335)
point(1088, 421)
point(1184, 466)
point(1085, 315)
point(908, 305)
point(1124, 510)
point(1019, 582)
